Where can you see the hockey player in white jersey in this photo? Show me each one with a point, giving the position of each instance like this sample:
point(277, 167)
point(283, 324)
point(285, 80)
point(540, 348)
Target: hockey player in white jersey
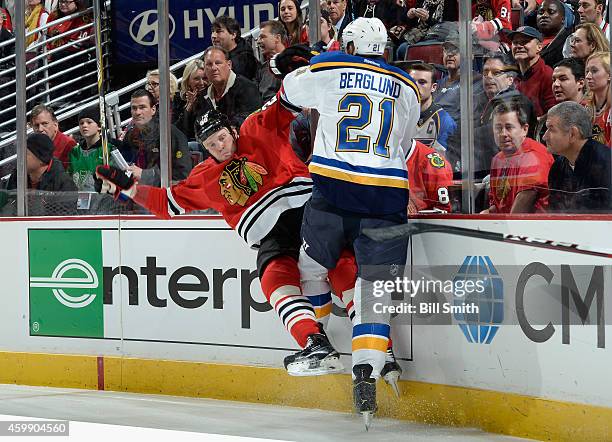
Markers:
point(368, 114)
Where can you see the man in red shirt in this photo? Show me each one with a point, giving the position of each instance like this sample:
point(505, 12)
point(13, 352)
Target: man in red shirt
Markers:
point(429, 176)
point(535, 81)
point(43, 120)
point(519, 172)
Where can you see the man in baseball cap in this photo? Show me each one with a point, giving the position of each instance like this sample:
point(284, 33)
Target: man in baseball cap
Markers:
point(535, 81)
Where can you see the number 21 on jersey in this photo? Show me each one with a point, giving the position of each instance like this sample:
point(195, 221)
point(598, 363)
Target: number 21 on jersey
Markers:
point(361, 122)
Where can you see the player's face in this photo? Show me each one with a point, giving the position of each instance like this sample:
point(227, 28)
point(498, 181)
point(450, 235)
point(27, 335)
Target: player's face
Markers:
point(336, 9)
point(43, 123)
point(494, 77)
point(88, 127)
point(565, 86)
point(221, 37)
point(142, 110)
point(508, 132)
point(596, 75)
point(525, 48)
point(580, 47)
point(288, 11)
point(557, 137)
point(216, 67)
point(267, 41)
point(221, 145)
point(197, 80)
point(589, 10)
point(550, 18)
point(424, 83)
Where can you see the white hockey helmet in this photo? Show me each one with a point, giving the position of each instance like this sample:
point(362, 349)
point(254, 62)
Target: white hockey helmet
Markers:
point(369, 36)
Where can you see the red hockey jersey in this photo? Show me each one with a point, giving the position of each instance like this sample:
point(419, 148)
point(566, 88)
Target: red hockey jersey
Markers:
point(496, 11)
point(251, 190)
point(429, 176)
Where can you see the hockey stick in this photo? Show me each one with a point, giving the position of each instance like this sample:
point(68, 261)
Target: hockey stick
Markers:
point(406, 230)
point(100, 69)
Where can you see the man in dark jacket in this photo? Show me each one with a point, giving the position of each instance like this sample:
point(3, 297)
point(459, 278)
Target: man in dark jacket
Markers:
point(230, 93)
point(226, 34)
point(141, 143)
point(579, 179)
point(47, 174)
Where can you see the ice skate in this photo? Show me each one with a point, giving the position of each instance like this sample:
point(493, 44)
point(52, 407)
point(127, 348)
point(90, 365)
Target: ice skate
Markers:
point(364, 393)
point(317, 358)
point(391, 372)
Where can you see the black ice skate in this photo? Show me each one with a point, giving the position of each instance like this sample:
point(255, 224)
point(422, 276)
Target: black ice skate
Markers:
point(364, 393)
point(317, 358)
point(391, 372)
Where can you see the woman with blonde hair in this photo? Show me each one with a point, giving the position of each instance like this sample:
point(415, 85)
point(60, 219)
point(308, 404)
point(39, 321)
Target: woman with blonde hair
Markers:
point(586, 40)
point(191, 96)
point(597, 100)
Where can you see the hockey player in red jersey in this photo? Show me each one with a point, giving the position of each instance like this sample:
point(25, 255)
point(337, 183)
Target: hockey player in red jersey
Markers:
point(430, 177)
point(260, 187)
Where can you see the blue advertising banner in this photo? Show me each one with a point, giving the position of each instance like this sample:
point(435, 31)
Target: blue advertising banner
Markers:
point(134, 31)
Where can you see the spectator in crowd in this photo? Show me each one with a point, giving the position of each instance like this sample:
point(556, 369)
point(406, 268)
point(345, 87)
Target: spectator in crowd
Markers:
point(43, 120)
point(519, 172)
point(597, 101)
point(191, 96)
point(71, 43)
point(535, 81)
point(290, 14)
point(88, 154)
point(592, 11)
point(339, 16)
point(44, 172)
point(36, 16)
point(579, 179)
point(498, 77)
point(230, 93)
point(568, 80)
point(152, 85)
point(390, 12)
point(435, 125)
point(551, 23)
point(420, 19)
point(271, 41)
point(226, 34)
point(430, 178)
point(141, 143)
point(328, 40)
point(586, 40)
point(5, 18)
point(6, 52)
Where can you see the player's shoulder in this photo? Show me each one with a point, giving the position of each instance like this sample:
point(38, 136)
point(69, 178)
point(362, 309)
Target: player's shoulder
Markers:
point(337, 59)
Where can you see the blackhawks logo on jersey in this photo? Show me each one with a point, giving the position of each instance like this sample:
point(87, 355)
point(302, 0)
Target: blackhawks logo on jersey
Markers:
point(240, 179)
point(436, 160)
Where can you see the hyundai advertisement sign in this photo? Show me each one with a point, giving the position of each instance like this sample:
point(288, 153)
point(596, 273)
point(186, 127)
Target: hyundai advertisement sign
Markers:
point(135, 25)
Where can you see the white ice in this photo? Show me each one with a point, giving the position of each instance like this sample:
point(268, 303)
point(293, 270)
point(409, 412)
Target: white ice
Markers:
point(209, 416)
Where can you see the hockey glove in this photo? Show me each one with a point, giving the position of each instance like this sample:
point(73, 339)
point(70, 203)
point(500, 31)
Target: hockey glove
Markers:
point(484, 30)
point(290, 59)
point(115, 181)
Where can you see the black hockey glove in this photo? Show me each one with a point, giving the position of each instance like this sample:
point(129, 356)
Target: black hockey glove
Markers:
point(114, 181)
point(290, 59)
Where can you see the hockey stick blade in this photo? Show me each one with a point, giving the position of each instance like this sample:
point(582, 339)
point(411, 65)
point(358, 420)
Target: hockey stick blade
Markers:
point(407, 230)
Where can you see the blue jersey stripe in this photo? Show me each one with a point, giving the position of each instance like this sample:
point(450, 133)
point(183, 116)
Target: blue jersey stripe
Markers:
point(399, 173)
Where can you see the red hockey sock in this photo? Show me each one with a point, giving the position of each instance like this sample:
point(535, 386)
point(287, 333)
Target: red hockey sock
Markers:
point(280, 283)
point(344, 275)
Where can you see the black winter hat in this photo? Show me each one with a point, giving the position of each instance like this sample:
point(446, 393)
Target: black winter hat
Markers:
point(92, 113)
point(41, 146)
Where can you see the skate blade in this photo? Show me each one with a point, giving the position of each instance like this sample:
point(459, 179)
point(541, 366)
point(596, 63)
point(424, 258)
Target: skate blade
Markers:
point(392, 379)
point(367, 419)
point(327, 366)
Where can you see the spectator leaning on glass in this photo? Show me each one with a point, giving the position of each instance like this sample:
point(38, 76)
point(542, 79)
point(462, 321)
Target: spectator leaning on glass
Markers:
point(43, 120)
point(230, 93)
point(586, 40)
point(535, 81)
point(579, 179)
point(141, 144)
point(597, 100)
point(191, 96)
point(271, 40)
point(519, 172)
point(226, 34)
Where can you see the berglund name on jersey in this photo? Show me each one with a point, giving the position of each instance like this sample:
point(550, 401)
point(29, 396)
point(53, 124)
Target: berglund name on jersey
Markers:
point(370, 82)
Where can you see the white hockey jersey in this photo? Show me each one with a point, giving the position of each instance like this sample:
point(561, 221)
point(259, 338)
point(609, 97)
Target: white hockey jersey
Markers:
point(368, 115)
